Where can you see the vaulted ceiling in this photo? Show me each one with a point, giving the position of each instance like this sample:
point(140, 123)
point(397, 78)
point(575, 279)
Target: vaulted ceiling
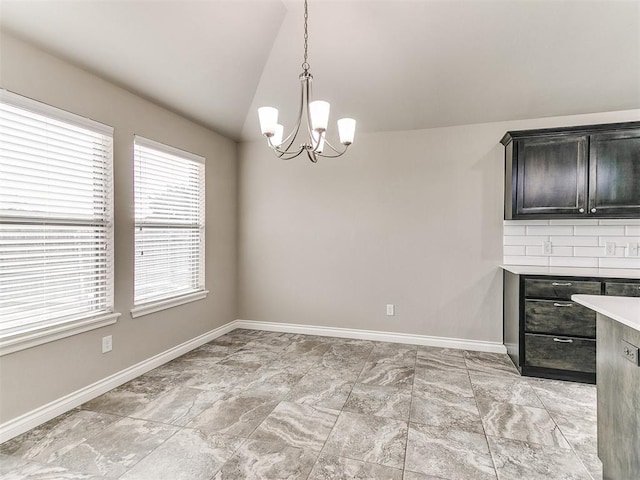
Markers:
point(392, 65)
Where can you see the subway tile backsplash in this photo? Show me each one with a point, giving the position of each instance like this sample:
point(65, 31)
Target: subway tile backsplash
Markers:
point(574, 243)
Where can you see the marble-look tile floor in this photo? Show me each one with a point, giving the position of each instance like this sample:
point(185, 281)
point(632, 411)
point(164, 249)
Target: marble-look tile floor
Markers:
point(264, 405)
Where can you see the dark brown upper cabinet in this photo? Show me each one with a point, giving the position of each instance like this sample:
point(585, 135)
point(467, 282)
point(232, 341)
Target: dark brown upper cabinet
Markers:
point(614, 173)
point(573, 172)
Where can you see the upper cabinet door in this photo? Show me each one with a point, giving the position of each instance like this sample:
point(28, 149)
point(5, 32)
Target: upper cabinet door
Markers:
point(551, 176)
point(614, 171)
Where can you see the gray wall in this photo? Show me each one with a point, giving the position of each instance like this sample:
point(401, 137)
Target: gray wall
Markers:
point(412, 218)
point(33, 377)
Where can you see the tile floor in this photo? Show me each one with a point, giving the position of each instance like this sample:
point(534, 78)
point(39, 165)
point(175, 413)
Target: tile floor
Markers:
point(264, 405)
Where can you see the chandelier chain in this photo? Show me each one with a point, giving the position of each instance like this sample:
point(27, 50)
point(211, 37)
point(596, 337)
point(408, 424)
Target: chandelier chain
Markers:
point(305, 64)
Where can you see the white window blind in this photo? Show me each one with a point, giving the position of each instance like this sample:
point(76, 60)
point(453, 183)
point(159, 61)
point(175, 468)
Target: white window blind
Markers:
point(56, 235)
point(170, 221)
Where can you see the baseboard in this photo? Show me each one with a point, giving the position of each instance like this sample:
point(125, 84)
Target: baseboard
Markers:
point(51, 410)
point(445, 342)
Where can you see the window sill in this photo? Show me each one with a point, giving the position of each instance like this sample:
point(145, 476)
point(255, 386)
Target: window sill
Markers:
point(159, 305)
point(16, 341)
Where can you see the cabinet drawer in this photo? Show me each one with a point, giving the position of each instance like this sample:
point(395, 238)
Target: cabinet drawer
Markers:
point(563, 353)
point(622, 289)
point(559, 318)
point(559, 288)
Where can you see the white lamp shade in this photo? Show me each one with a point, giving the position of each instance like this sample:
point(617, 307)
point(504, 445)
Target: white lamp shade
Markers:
point(346, 130)
point(277, 136)
point(268, 120)
point(319, 112)
point(320, 145)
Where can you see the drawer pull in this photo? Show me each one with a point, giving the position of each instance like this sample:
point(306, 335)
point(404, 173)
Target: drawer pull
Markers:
point(563, 340)
point(563, 304)
point(557, 284)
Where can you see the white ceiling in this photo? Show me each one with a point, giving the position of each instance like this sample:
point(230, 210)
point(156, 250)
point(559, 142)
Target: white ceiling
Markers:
point(392, 65)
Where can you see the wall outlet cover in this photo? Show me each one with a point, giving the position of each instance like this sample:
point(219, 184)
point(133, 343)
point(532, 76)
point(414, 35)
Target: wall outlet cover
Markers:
point(632, 249)
point(547, 248)
point(107, 344)
point(630, 352)
point(391, 309)
point(610, 249)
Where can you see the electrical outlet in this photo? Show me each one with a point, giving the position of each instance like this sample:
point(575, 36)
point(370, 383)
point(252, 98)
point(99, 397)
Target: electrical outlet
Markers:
point(630, 352)
point(632, 249)
point(391, 309)
point(547, 248)
point(107, 344)
point(610, 249)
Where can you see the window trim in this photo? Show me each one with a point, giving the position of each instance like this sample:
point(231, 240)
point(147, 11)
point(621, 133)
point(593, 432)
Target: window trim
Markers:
point(27, 336)
point(164, 304)
point(20, 340)
point(145, 142)
point(42, 108)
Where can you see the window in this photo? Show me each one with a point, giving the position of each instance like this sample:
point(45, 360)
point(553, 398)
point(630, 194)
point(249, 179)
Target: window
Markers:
point(169, 222)
point(56, 224)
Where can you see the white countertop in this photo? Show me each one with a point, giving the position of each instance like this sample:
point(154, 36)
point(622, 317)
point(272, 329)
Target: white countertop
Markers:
point(632, 273)
point(625, 310)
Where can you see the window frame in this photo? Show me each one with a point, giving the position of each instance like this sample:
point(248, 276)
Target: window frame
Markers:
point(16, 338)
point(158, 304)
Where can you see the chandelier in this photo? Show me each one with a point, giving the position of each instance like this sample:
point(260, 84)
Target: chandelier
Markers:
point(316, 115)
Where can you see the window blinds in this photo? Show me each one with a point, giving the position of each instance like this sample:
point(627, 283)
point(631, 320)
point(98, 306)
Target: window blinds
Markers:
point(56, 248)
point(169, 216)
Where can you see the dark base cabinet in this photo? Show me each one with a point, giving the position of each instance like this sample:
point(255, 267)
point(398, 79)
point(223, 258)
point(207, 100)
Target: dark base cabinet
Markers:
point(567, 354)
point(546, 334)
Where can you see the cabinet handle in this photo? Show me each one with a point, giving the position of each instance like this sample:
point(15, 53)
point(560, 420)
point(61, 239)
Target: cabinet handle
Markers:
point(557, 284)
point(581, 210)
point(593, 210)
point(562, 304)
point(563, 340)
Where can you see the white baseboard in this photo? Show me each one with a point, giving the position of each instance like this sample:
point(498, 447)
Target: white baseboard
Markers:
point(51, 410)
point(445, 342)
point(38, 416)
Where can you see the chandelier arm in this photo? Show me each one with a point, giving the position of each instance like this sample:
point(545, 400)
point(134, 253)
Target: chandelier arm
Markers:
point(338, 154)
point(309, 92)
point(291, 156)
point(294, 133)
point(291, 137)
point(327, 142)
point(314, 145)
point(288, 155)
point(284, 154)
point(313, 156)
